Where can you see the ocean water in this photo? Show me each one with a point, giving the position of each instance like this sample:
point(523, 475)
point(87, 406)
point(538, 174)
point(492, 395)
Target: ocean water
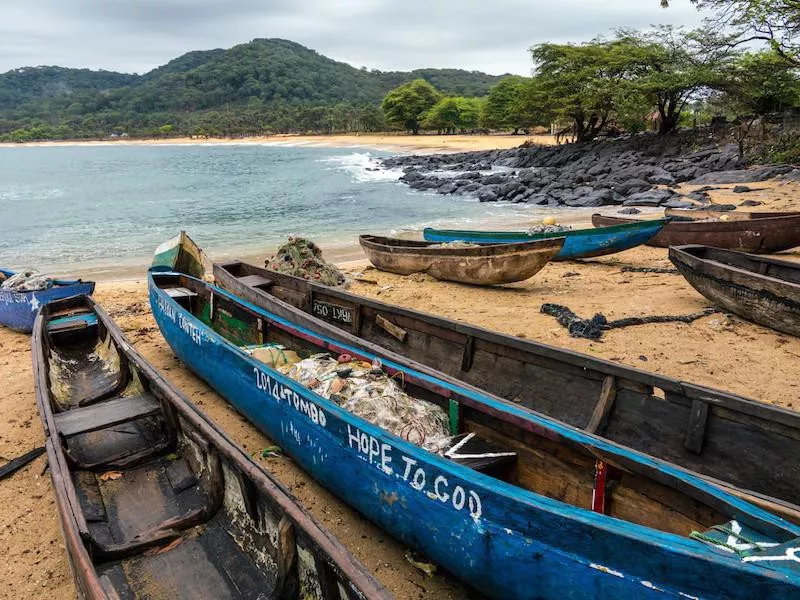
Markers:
point(83, 208)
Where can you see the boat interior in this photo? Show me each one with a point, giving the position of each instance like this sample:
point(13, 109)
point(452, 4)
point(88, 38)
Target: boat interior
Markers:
point(163, 504)
point(519, 452)
point(769, 267)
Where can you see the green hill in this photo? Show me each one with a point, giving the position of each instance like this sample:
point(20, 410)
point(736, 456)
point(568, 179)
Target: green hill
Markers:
point(267, 85)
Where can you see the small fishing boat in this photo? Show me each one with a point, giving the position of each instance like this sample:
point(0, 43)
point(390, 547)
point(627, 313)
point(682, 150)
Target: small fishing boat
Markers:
point(578, 243)
point(505, 499)
point(762, 235)
point(154, 500)
point(18, 309)
point(763, 290)
point(477, 265)
point(723, 436)
point(698, 214)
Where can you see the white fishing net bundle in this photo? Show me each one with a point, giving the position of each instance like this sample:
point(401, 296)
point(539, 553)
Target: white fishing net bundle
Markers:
point(27, 281)
point(366, 391)
point(536, 229)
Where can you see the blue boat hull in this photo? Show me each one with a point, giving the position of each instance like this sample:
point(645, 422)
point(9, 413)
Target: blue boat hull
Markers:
point(589, 242)
point(505, 541)
point(18, 310)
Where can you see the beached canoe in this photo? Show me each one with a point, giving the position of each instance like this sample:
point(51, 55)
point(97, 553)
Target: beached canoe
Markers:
point(578, 243)
point(477, 265)
point(760, 235)
point(726, 437)
point(18, 309)
point(511, 501)
point(687, 214)
point(763, 290)
point(154, 500)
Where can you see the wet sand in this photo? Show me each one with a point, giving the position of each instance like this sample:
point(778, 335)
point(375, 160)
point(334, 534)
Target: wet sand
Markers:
point(719, 350)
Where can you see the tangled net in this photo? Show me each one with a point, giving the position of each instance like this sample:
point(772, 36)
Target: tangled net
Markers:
point(29, 280)
point(365, 390)
point(301, 257)
point(454, 244)
point(536, 229)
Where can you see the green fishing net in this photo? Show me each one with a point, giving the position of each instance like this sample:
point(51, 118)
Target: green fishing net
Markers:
point(301, 257)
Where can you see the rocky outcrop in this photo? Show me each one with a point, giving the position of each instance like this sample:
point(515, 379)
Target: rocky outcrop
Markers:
point(638, 170)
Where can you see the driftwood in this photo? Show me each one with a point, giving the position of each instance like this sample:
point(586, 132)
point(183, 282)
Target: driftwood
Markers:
point(16, 464)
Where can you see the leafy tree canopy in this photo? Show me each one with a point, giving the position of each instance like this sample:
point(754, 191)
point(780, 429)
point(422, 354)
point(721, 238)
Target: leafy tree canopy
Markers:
point(406, 105)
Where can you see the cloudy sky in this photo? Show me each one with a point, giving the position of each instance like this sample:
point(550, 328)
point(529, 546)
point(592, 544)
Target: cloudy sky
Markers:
point(486, 35)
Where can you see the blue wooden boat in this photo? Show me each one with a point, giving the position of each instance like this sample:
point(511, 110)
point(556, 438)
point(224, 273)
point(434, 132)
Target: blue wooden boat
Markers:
point(580, 243)
point(18, 310)
point(517, 505)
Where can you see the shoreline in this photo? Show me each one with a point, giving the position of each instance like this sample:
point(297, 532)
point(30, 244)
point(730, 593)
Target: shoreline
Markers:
point(403, 143)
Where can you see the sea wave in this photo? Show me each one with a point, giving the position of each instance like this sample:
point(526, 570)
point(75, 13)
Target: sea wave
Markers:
point(363, 167)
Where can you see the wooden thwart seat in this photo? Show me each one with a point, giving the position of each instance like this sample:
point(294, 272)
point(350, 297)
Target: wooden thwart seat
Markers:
point(255, 281)
point(180, 292)
point(106, 414)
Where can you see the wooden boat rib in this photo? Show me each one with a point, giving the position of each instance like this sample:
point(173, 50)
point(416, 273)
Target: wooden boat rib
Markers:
point(480, 265)
point(544, 500)
point(18, 309)
point(763, 290)
point(718, 434)
point(578, 243)
point(760, 235)
point(154, 500)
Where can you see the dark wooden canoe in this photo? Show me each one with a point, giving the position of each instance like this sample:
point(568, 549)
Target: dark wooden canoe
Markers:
point(760, 235)
point(763, 290)
point(688, 214)
point(505, 499)
point(154, 500)
point(721, 435)
point(478, 265)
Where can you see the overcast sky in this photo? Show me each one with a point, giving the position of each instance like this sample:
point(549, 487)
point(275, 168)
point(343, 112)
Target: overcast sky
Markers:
point(486, 35)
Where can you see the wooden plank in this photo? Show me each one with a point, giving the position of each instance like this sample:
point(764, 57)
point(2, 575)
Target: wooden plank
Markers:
point(696, 432)
point(16, 464)
point(180, 292)
point(255, 281)
point(469, 353)
point(105, 414)
point(391, 328)
point(604, 405)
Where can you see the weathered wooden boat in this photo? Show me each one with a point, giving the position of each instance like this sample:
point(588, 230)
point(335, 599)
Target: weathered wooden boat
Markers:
point(763, 290)
point(513, 502)
point(578, 243)
point(18, 309)
point(688, 214)
point(723, 436)
point(154, 500)
point(761, 235)
point(477, 265)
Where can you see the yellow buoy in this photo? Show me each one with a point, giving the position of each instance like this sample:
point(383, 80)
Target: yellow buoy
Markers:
point(724, 217)
point(549, 220)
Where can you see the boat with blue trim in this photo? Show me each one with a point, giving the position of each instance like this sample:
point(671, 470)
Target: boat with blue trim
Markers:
point(18, 310)
point(578, 243)
point(516, 504)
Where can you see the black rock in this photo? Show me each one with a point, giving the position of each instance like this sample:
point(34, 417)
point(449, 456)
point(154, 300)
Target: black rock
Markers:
point(632, 186)
point(494, 178)
point(741, 189)
point(470, 187)
point(649, 198)
point(447, 188)
point(751, 203)
point(677, 203)
point(720, 207)
point(584, 201)
point(629, 211)
point(488, 194)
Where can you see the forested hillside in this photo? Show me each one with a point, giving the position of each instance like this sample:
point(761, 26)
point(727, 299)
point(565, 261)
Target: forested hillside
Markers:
point(265, 86)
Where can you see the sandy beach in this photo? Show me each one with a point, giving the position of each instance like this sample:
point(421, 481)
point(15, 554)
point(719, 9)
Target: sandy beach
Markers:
point(719, 350)
point(397, 142)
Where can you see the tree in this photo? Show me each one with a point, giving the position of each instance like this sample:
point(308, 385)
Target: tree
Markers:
point(507, 106)
point(671, 67)
point(577, 83)
point(406, 105)
point(452, 114)
point(775, 21)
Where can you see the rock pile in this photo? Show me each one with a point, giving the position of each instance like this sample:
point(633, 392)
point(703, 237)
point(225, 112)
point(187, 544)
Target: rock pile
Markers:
point(634, 171)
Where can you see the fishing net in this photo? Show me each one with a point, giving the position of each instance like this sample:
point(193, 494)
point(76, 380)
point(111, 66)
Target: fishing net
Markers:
point(301, 257)
point(536, 229)
point(27, 281)
point(454, 244)
point(365, 390)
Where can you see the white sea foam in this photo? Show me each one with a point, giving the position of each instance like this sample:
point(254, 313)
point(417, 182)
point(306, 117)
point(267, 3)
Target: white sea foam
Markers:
point(363, 167)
